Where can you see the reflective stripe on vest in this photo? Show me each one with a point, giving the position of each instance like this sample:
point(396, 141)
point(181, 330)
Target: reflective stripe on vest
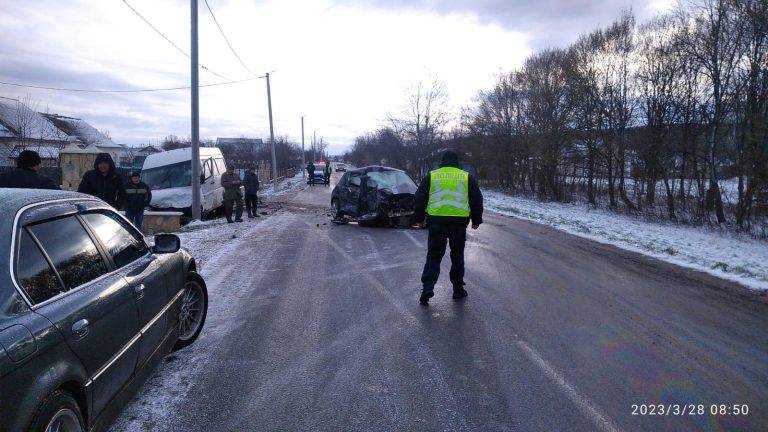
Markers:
point(448, 193)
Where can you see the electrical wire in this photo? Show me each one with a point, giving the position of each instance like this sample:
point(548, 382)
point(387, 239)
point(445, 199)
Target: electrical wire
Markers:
point(227, 39)
point(170, 41)
point(80, 90)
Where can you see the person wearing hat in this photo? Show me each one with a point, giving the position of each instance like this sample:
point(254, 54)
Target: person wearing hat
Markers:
point(25, 175)
point(137, 198)
point(231, 182)
point(104, 182)
point(448, 198)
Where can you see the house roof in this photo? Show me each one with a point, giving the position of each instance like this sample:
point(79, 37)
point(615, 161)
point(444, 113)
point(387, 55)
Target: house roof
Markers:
point(18, 119)
point(83, 131)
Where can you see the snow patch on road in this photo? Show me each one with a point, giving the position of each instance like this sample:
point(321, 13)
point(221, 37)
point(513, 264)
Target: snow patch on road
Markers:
point(295, 183)
point(730, 256)
point(219, 250)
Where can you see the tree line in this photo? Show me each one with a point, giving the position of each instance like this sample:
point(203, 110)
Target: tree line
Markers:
point(668, 117)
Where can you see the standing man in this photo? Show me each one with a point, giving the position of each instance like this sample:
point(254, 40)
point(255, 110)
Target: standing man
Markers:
point(450, 197)
point(251, 184)
point(311, 172)
point(25, 175)
point(104, 182)
point(327, 171)
point(230, 180)
point(137, 197)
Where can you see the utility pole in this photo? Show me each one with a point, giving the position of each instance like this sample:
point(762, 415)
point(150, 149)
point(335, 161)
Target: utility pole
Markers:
point(314, 143)
point(195, 159)
point(272, 136)
point(303, 161)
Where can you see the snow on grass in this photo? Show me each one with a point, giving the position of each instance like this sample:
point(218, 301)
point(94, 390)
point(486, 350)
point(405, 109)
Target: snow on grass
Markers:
point(291, 184)
point(726, 255)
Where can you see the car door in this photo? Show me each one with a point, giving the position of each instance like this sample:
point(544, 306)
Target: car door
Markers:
point(351, 191)
point(144, 272)
point(90, 305)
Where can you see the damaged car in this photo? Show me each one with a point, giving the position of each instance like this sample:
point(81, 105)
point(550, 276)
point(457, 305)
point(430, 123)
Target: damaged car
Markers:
point(375, 196)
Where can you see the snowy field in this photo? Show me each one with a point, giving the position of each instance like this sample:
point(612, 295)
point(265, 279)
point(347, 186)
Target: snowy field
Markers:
point(726, 255)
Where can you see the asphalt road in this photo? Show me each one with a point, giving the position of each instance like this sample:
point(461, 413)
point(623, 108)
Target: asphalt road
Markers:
point(558, 334)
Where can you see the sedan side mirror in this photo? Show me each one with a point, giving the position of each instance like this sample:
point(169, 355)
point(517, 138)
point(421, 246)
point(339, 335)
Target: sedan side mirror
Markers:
point(166, 243)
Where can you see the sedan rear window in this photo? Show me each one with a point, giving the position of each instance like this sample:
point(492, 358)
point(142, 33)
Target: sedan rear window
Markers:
point(71, 250)
point(35, 275)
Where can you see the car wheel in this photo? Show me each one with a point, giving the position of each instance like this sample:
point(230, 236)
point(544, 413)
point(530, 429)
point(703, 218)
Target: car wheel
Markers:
point(194, 309)
point(337, 207)
point(58, 412)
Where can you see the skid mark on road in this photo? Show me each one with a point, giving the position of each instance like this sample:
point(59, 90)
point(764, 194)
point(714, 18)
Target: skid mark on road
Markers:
point(413, 239)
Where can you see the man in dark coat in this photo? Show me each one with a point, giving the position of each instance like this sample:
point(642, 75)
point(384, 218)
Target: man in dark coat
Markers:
point(251, 185)
point(311, 172)
point(231, 182)
point(449, 198)
point(25, 175)
point(137, 197)
point(104, 182)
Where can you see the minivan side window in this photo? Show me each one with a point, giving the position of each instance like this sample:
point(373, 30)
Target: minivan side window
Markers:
point(208, 169)
point(34, 274)
point(70, 249)
point(122, 243)
point(221, 167)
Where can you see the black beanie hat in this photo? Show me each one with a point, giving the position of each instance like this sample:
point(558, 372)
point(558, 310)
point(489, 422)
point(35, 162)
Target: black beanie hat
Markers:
point(450, 158)
point(28, 159)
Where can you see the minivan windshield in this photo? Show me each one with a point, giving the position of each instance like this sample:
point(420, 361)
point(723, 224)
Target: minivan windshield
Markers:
point(168, 176)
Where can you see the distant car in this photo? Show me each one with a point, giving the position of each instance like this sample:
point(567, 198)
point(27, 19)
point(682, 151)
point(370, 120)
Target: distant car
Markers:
point(319, 175)
point(87, 309)
point(340, 167)
point(375, 195)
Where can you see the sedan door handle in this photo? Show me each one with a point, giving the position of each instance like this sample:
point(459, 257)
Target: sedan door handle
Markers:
point(139, 290)
point(80, 328)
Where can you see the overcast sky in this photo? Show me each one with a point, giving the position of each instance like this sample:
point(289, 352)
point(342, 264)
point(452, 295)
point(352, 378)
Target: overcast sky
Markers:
point(344, 64)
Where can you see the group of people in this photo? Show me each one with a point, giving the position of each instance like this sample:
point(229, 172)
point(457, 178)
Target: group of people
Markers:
point(103, 182)
point(233, 197)
point(326, 173)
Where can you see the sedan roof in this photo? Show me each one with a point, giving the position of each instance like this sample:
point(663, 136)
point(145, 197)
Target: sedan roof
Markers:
point(372, 168)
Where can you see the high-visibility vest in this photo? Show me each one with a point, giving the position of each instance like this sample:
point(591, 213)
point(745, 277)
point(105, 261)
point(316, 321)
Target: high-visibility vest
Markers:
point(448, 192)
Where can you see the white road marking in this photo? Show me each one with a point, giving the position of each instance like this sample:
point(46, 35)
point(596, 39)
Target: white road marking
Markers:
point(587, 407)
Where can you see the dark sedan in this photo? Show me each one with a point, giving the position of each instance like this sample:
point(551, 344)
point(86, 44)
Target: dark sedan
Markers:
point(87, 309)
point(375, 195)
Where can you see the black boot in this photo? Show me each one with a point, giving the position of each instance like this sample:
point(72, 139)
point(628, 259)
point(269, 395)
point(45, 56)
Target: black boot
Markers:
point(459, 292)
point(426, 294)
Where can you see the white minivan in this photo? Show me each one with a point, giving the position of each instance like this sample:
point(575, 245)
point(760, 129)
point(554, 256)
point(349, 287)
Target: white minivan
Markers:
point(169, 175)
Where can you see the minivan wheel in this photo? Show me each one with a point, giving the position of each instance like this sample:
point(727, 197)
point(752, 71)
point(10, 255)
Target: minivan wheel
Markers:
point(194, 308)
point(59, 412)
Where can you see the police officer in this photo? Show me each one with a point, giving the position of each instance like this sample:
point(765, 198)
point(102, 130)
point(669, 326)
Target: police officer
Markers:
point(449, 198)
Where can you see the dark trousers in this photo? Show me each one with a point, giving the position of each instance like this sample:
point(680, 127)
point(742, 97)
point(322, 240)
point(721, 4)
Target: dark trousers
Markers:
point(311, 178)
point(237, 204)
point(136, 217)
point(251, 203)
point(441, 235)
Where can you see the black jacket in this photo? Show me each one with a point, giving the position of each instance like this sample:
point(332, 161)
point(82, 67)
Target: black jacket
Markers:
point(137, 196)
point(21, 178)
point(109, 187)
point(251, 183)
point(475, 205)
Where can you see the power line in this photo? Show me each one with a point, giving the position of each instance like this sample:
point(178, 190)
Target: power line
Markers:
point(170, 41)
point(227, 39)
point(80, 90)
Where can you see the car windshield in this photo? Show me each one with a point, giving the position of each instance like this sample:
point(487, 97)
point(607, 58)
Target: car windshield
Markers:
point(319, 168)
point(389, 179)
point(168, 176)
